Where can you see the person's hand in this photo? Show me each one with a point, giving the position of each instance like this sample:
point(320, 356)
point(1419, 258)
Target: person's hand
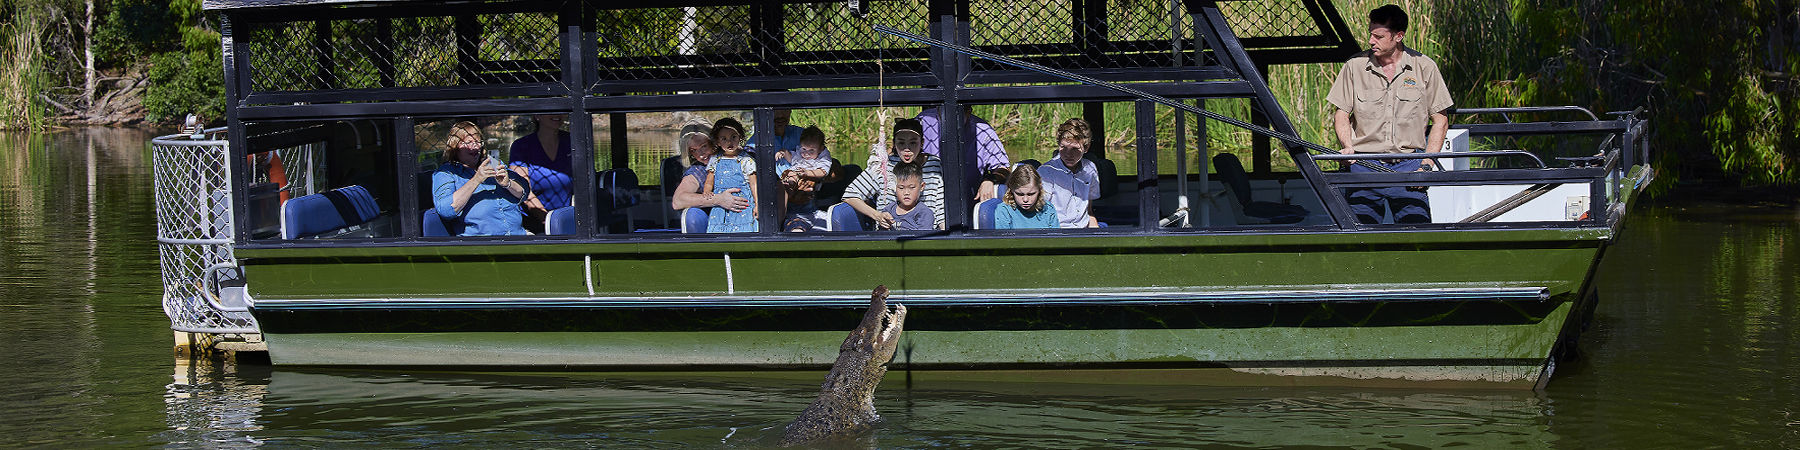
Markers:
point(1345, 164)
point(883, 220)
point(1427, 164)
point(984, 195)
point(731, 202)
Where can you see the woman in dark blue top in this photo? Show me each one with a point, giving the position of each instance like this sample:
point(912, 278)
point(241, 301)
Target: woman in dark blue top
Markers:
point(549, 171)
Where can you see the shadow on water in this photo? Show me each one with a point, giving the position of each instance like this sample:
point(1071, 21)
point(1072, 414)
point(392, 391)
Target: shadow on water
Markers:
point(1696, 342)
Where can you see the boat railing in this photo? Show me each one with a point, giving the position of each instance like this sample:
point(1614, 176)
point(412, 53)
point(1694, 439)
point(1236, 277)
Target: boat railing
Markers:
point(202, 286)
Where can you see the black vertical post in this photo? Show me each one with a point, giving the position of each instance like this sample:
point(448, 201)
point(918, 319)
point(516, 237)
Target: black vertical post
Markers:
point(768, 40)
point(575, 52)
point(621, 142)
point(768, 219)
point(1095, 115)
point(236, 86)
point(406, 164)
point(1149, 197)
point(326, 70)
point(468, 33)
point(951, 131)
point(384, 54)
point(1202, 164)
point(1259, 144)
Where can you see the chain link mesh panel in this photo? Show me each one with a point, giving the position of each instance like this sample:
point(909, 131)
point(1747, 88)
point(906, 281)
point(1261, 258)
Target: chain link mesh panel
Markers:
point(470, 50)
point(1077, 35)
point(1270, 18)
point(194, 232)
point(793, 40)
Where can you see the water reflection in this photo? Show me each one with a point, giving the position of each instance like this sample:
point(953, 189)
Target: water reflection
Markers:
point(218, 405)
point(213, 403)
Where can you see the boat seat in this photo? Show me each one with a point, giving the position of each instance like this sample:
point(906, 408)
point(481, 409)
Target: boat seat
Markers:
point(560, 221)
point(619, 193)
point(431, 225)
point(834, 191)
point(1231, 172)
point(842, 217)
point(984, 213)
point(327, 212)
point(693, 220)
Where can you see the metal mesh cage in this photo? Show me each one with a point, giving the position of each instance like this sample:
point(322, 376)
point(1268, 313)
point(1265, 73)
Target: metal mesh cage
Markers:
point(794, 40)
point(1079, 35)
point(1272, 18)
point(405, 52)
point(194, 232)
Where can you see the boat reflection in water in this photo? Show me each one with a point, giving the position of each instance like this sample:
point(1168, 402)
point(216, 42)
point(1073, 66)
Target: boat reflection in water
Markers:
point(222, 406)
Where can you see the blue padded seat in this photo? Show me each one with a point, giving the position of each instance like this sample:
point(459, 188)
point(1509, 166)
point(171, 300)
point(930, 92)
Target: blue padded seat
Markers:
point(693, 220)
point(842, 217)
point(984, 213)
point(328, 211)
point(560, 221)
point(1231, 171)
point(431, 225)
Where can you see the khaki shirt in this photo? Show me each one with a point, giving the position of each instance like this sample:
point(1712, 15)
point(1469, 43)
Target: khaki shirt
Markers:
point(1389, 116)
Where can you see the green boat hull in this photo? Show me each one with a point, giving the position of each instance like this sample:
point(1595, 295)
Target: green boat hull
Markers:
point(1483, 306)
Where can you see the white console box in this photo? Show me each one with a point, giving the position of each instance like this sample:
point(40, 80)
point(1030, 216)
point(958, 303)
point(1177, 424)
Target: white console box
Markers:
point(1454, 203)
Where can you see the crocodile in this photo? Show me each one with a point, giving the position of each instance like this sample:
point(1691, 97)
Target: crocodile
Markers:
point(845, 407)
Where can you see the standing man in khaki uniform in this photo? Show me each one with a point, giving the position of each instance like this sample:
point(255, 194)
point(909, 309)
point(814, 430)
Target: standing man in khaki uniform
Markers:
point(1384, 97)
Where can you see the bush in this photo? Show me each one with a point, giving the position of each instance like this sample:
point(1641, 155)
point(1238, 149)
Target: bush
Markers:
point(185, 82)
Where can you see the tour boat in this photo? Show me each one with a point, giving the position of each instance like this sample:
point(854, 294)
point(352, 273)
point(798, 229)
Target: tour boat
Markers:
point(307, 221)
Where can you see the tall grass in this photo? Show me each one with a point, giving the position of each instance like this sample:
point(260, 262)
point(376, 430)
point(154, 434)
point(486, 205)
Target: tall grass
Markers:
point(21, 71)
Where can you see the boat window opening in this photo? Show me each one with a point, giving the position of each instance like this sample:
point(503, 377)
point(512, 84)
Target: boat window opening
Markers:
point(519, 144)
point(321, 180)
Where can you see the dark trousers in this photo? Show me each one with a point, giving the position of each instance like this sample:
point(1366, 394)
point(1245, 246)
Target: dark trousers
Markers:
point(1406, 205)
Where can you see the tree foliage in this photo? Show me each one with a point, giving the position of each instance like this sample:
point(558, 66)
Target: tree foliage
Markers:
point(1718, 78)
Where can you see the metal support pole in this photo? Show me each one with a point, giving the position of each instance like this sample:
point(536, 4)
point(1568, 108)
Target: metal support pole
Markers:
point(406, 161)
point(575, 55)
point(236, 87)
point(951, 129)
point(1149, 196)
point(768, 216)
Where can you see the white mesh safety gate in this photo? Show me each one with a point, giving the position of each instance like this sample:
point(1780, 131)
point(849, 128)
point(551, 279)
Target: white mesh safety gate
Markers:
point(202, 286)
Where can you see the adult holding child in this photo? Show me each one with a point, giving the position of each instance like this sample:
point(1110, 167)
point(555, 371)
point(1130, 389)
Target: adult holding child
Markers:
point(1384, 98)
point(696, 147)
point(543, 157)
point(874, 190)
point(805, 168)
point(473, 190)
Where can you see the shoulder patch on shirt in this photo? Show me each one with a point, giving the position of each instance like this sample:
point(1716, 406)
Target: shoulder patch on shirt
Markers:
point(1414, 53)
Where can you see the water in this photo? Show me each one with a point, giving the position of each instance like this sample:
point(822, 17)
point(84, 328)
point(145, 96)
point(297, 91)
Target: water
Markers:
point(1695, 344)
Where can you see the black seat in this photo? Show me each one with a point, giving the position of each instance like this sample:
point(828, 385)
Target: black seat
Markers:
point(1231, 171)
point(832, 192)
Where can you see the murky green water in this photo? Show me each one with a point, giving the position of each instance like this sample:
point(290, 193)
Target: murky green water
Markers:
point(1696, 344)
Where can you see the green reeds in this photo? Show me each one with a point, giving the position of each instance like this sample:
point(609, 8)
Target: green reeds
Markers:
point(22, 72)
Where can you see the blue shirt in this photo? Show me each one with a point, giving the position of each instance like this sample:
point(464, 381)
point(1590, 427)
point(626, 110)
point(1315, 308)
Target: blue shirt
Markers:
point(490, 211)
point(1009, 217)
point(789, 140)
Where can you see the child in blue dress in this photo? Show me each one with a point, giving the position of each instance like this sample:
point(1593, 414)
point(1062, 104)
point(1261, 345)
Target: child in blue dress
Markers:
point(731, 168)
